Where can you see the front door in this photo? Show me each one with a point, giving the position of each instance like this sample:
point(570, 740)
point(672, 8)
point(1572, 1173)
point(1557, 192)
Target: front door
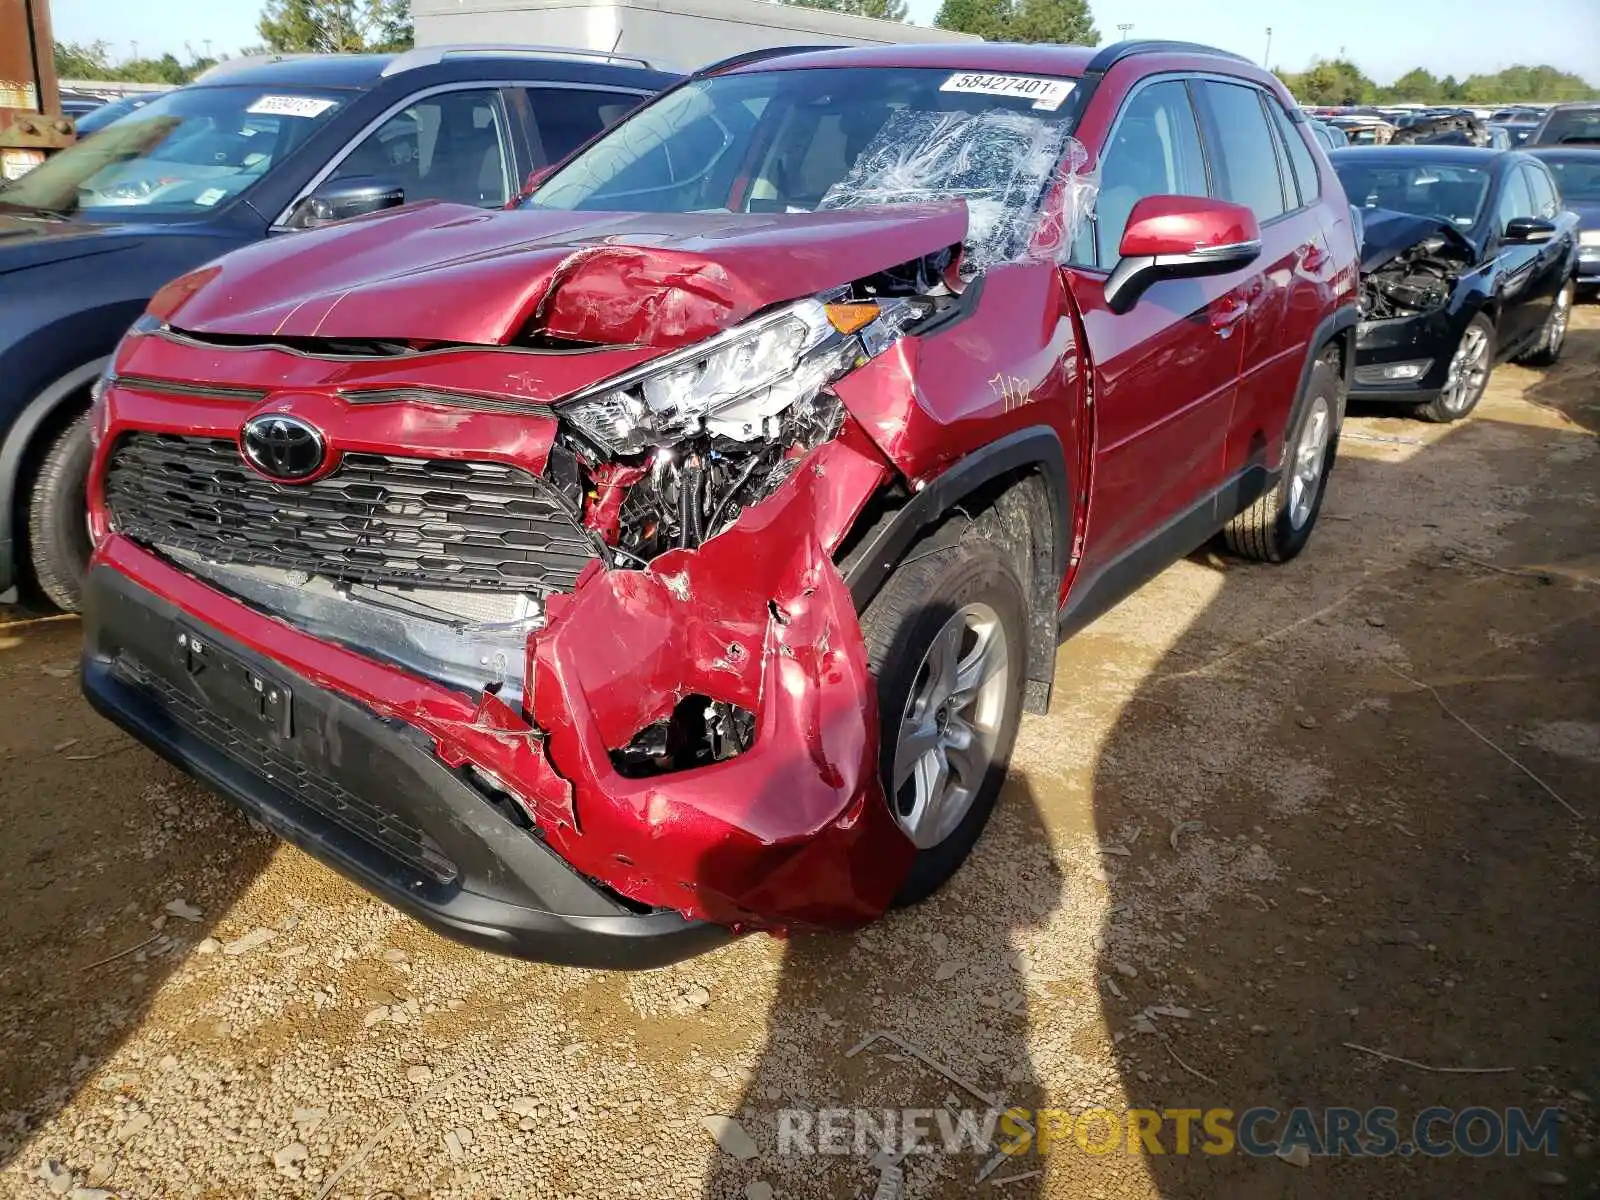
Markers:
point(1166, 370)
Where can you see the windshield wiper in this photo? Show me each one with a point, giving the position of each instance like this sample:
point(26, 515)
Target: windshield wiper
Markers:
point(31, 210)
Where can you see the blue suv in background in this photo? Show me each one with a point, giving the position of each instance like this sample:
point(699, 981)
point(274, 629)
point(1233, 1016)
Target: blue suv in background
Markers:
point(255, 148)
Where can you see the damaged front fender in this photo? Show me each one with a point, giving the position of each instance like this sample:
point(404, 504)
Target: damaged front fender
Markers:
point(793, 828)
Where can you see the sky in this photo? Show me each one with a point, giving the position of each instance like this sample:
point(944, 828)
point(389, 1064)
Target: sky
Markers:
point(1385, 37)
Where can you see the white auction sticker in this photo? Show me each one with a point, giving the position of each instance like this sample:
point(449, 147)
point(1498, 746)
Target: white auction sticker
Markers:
point(290, 106)
point(1045, 93)
point(210, 196)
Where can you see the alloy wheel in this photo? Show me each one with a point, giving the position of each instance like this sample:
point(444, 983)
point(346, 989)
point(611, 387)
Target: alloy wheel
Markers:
point(1560, 315)
point(1309, 458)
point(1469, 371)
point(951, 725)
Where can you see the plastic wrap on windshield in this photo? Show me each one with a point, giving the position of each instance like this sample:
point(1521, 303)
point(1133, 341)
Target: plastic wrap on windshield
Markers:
point(1026, 181)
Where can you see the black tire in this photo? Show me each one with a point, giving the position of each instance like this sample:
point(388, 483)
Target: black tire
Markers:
point(900, 625)
point(1266, 531)
point(1553, 337)
point(57, 506)
point(1439, 410)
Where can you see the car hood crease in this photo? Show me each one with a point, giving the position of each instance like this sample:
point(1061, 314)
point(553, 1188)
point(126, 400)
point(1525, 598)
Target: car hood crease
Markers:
point(449, 273)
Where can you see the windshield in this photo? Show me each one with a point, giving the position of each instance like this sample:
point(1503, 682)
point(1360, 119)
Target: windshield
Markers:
point(801, 141)
point(185, 152)
point(1577, 176)
point(1448, 191)
point(1571, 126)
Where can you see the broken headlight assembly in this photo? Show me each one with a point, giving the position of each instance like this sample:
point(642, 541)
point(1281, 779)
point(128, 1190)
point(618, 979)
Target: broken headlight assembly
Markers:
point(736, 384)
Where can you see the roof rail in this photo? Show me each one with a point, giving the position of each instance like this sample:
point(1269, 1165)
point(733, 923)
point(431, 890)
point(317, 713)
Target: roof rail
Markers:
point(1117, 51)
point(755, 56)
point(240, 62)
point(432, 56)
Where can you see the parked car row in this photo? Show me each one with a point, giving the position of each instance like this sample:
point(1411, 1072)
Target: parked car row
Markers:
point(673, 548)
point(249, 153)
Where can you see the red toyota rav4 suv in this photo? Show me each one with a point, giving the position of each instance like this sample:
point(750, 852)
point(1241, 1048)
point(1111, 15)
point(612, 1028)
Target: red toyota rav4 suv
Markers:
point(678, 552)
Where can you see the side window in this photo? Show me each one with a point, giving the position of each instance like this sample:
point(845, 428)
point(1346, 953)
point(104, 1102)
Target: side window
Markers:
point(1514, 199)
point(1154, 151)
point(566, 118)
point(1542, 190)
point(1300, 156)
point(448, 146)
point(1248, 170)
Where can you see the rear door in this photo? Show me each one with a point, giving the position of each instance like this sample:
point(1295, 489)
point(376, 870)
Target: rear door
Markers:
point(1261, 160)
point(1165, 370)
point(1555, 256)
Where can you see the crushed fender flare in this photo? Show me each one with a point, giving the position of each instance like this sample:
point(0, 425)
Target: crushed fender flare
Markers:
point(792, 831)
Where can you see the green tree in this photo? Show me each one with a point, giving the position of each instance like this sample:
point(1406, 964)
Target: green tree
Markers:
point(82, 60)
point(335, 26)
point(91, 61)
point(393, 28)
point(1068, 22)
point(1416, 84)
point(1332, 81)
point(989, 19)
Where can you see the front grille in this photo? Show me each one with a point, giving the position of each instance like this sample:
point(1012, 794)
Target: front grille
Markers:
point(382, 827)
point(378, 519)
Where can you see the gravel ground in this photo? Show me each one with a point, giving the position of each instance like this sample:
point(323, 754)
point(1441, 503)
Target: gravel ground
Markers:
point(1275, 811)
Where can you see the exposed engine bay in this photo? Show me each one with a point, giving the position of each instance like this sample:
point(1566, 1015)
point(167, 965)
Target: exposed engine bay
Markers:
point(1410, 265)
point(652, 468)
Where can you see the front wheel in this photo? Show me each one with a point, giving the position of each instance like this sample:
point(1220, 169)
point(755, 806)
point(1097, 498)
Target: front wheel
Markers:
point(1468, 376)
point(1554, 334)
point(946, 641)
point(58, 517)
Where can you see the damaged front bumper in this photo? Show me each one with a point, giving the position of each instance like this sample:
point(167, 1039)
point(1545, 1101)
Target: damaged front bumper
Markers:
point(538, 838)
point(363, 794)
point(1404, 359)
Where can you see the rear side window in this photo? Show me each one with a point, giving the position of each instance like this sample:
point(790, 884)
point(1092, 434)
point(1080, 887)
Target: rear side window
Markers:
point(1300, 157)
point(566, 118)
point(1543, 193)
point(1244, 157)
point(1154, 151)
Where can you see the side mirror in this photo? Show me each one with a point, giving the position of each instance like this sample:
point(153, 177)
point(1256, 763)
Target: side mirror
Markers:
point(341, 199)
point(1179, 237)
point(1526, 230)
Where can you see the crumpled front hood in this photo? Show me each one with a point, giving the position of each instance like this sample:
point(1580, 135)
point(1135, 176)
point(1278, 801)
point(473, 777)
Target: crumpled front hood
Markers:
point(449, 273)
point(1387, 234)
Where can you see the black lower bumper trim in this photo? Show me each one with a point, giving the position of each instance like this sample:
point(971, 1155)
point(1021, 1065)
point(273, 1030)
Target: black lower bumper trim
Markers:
point(470, 873)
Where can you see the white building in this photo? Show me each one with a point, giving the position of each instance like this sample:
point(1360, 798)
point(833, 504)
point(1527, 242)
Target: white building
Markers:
point(681, 34)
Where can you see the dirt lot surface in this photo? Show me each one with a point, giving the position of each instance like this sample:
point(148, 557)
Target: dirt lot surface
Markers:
point(1274, 813)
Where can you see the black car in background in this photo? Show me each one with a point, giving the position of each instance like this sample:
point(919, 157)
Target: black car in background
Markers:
point(1568, 125)
point(1577, 175)
point(256, 149)
point(1467, 259)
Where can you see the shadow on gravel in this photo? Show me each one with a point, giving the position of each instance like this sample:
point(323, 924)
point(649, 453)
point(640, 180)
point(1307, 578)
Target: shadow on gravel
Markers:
point(838, 989)
point(1573, 388)
point(1404, 887)
point(98, 836)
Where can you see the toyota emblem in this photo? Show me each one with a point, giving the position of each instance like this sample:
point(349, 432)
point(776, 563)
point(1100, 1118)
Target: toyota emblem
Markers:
point(283, 447)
